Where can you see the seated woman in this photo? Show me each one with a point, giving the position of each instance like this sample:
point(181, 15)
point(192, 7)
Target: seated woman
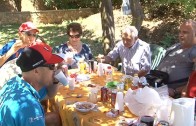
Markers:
point(74, 49)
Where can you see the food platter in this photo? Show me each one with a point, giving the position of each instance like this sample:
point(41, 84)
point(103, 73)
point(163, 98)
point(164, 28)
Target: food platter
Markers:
point(112, 84)
point(84, 106)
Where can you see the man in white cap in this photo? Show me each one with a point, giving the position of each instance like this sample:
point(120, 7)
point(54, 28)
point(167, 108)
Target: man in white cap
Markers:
point(19, 97)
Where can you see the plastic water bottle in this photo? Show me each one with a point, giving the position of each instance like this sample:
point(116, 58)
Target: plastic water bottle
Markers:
point(109, 74)
point(135, 82)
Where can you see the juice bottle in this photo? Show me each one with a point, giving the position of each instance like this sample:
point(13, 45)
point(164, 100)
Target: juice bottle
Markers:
point(82, 66)
point(127, 83)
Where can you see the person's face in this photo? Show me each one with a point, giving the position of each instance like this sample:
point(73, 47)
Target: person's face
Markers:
point(74, 37)
point(186, 35)
point(46, 74)
point(28, 37)
point(128, 40)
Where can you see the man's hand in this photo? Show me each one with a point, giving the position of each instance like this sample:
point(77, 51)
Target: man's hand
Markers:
point(16, 46)
point(63, 67)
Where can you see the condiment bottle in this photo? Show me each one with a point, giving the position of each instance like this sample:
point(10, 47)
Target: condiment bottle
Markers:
point(127, 83)
point(109, 74)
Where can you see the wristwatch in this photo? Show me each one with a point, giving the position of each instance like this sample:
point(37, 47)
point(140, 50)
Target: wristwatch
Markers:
point(177, 94)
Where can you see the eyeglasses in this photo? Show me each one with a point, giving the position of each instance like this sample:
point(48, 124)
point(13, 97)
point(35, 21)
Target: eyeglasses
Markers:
point(126, 39)
point(50, 66)
point(74, 36)
point(29, 34)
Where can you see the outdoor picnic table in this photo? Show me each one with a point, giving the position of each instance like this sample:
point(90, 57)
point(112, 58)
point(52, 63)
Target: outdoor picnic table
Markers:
point(65, 99)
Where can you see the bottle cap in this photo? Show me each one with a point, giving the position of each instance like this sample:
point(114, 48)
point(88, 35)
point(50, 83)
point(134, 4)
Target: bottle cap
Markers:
point(109, 67)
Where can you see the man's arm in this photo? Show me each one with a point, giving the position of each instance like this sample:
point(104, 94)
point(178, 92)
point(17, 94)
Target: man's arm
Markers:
point(15, 47)
point(4, 57)
point(142, 73)
point(52, 90)
point(146, 62)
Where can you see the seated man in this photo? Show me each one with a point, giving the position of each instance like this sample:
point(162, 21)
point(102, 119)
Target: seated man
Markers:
point(19, 96)
point(177, 62)
point(8, 55)
point(133, 52)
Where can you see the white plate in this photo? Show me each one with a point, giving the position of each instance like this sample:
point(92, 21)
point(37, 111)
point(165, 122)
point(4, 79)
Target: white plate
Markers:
point(82, 77)
point(84, 106)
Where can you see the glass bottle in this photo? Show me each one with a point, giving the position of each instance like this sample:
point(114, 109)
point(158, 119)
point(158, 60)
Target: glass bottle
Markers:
point(109, 74)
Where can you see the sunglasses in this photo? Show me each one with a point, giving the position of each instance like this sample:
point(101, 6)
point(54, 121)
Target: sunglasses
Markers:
point(50, 66)
point(29, 34)
point(74, 36)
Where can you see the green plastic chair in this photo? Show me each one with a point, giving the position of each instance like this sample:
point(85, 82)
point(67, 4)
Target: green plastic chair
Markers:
point(158, 53)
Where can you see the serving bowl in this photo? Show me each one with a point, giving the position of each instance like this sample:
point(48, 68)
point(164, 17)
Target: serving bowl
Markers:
point(84, 106)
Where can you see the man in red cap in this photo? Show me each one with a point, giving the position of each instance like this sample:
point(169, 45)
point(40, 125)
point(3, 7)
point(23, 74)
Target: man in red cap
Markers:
point(19, 97)
point(27, 34)
point(9, 53)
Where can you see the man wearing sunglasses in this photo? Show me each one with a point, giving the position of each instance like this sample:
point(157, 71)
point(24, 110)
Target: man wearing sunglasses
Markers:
point(19, 98)
point(74, 48)
point(27, 34)
point(10, 52)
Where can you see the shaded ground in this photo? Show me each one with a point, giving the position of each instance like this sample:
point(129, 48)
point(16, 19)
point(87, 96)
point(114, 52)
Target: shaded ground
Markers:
point(162, 31)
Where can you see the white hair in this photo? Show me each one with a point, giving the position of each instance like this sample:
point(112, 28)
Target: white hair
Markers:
point(132, 30)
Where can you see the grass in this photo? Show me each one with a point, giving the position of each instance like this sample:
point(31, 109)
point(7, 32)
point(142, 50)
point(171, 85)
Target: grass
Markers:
point(53, 34)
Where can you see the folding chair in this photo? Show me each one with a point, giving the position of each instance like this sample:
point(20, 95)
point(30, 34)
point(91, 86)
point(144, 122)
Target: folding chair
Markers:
point(158, 53)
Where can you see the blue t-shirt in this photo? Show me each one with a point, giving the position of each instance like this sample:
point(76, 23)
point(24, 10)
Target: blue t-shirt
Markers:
point(19, 104)
point(7, 47)
point(42, 93)
point(84, 53)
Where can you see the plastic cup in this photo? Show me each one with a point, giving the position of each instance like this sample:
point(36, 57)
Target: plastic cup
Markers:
point(71, 83)
point(60, 76)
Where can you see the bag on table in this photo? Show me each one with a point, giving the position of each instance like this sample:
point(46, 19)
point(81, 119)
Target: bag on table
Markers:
point(156, 76)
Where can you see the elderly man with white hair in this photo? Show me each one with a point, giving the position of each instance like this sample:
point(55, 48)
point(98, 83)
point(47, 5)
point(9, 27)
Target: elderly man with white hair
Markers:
point(134, 53)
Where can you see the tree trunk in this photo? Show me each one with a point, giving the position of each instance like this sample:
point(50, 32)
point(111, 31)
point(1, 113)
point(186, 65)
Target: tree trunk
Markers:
point(107, 19)
point(18, 4)
point(137, 13)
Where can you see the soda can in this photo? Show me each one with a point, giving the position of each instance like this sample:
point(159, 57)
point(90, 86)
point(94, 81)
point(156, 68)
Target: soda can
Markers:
point(104, 94)
point(113, 98)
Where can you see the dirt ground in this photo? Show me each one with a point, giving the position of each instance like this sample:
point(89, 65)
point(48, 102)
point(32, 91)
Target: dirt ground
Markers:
point(153, 31)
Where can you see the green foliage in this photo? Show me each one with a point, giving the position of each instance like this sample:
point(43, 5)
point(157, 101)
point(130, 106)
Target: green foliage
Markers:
point(167, 41)
point(74, 4)
point(186, 6)
point(177, 8)
point(71, 4)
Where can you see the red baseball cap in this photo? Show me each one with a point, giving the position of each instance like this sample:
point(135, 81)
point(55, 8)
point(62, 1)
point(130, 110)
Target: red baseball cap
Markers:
point(36, 55)
point(27, 26)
